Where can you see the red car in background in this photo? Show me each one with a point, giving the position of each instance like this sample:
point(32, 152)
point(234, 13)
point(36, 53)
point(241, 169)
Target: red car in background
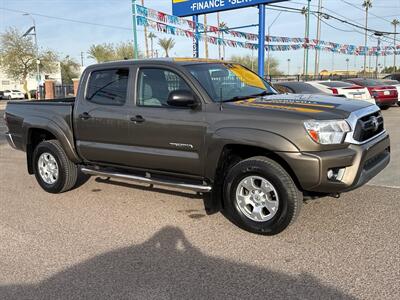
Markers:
point(385, 95)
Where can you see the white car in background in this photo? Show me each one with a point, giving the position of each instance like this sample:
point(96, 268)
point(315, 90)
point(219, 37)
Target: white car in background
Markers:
point(13, 94)
point(343, 89)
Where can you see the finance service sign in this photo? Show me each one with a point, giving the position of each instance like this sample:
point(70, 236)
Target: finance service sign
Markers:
point(183, 8)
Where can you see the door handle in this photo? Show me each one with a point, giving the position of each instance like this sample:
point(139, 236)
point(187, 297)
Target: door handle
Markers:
point(137, 119)
point(85, 116)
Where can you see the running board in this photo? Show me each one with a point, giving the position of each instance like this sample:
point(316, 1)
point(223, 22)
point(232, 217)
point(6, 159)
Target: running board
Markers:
point(185, 186)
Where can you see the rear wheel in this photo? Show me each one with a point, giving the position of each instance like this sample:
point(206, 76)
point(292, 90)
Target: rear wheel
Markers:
point(260, 196)
point(384, 107)
point(54, 172)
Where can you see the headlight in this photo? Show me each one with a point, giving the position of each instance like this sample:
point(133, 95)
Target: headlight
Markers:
point(327, 132)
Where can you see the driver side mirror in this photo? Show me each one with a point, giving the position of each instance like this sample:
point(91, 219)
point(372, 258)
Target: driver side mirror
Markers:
point(182, 98)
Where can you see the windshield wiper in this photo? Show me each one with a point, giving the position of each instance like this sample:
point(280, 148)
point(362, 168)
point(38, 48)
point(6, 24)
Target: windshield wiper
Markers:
point(238, 98)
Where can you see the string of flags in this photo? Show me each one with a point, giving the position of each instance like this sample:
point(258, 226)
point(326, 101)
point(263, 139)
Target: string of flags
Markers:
point(164, 23)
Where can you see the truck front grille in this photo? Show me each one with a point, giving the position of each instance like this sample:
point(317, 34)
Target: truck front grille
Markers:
point(368, 126)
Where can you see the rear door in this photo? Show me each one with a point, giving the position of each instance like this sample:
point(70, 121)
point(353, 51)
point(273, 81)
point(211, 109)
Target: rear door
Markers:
point(102, 116)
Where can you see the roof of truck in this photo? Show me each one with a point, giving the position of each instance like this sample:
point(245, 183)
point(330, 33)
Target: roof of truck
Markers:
point(180, 61)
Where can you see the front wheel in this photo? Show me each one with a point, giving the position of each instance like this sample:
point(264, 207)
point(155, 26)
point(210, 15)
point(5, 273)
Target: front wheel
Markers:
point(260, 196)
point(54, 171)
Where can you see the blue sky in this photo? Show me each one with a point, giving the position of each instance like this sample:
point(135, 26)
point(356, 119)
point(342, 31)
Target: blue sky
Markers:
point(72, 38)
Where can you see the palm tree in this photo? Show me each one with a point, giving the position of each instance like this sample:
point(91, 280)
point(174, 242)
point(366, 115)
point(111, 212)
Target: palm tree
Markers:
point(222, 28)
point(151, 36)
point(166, 44)
point(102, 52)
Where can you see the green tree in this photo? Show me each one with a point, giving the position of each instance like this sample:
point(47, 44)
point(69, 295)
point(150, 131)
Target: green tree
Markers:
point(389, 70)
point(18, 57)
point(167, 45)
point(102, 53)
point(108, 52)
point(124, 51)
point(70, 69)
point(251, 63)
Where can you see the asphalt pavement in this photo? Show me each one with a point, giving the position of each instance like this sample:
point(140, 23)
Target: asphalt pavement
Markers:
point(116, 239)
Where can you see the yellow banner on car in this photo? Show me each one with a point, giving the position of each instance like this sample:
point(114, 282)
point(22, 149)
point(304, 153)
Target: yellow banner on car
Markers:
point(247, 76)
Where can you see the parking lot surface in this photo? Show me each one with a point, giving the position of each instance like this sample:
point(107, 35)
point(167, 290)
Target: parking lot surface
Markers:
point(121, 240)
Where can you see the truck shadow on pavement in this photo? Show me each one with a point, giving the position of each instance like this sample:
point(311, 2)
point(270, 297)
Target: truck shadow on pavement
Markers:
point(167, 266)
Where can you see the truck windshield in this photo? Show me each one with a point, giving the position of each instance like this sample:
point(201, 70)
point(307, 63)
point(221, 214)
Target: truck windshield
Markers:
point(229, 82)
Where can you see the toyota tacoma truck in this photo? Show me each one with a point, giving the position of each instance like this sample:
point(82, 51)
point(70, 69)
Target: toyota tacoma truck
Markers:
point(211, 127)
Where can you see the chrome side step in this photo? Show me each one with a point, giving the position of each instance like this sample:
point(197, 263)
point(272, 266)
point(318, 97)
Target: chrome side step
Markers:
point(185, 186)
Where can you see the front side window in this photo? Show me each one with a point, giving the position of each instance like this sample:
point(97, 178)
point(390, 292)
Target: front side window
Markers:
point(108, 87)
point(154, 86)
point(226, 81)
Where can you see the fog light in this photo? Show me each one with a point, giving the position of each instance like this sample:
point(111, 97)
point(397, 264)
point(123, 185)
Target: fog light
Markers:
point(335, 174)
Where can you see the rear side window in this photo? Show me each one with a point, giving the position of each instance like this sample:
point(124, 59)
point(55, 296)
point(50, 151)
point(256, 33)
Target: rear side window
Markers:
point(283, 89)
point(336, 84)
point(302, 88)
point(108, 87)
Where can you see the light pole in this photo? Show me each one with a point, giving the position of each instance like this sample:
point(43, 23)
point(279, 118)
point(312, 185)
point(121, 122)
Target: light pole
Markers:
point(347, 66)
point(205, 36)
point(367, 4)
point(219, 36)
point(395, 22)
point(146, 43)
point(308, 34)
point(268, 41)
point(135, 39)
point(316, 65)
point(36, 49)
point(288, 66)
point(378, 49)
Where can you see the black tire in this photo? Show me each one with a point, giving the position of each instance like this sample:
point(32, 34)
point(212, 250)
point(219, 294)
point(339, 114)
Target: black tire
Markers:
point(67, 170)
point(290, 198)
point(385, 107)
point(9, 97)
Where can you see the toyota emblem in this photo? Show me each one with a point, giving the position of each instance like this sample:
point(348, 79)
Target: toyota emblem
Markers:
point(375, 123)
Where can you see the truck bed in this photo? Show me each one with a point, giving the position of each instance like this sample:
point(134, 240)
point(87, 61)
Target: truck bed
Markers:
point(60, 100)
point(54, 113)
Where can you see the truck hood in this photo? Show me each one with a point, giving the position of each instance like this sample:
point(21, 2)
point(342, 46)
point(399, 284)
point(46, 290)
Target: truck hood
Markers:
point(310, 106)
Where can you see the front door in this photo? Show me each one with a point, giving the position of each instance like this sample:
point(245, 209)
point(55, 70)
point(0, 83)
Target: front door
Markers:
point(166, 138)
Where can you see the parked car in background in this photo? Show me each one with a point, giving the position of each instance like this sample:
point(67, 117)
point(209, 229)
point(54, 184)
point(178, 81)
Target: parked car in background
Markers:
point(343, 89)
point(395, 76)
point(13, 94)
point(397, 85)
point(297, 87)
point(385, 95)
point(32, 94)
